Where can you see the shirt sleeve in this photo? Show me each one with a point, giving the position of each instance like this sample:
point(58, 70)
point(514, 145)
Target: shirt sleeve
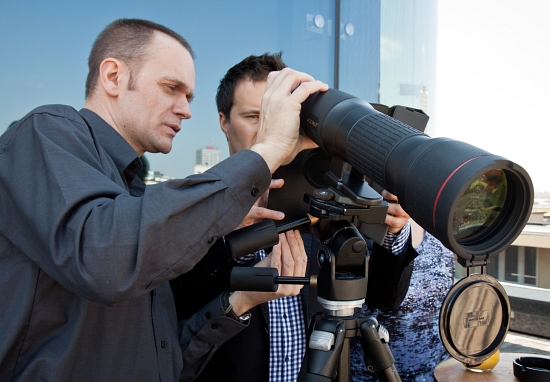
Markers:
point(202, 334)
point(66, 207)
point(246, 260)
point(396, 243)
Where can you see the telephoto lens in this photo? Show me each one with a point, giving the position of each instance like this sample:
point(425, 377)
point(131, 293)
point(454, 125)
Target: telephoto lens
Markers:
point(476, 203)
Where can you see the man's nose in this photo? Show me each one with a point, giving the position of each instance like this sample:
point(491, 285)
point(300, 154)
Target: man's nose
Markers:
point(182, 108)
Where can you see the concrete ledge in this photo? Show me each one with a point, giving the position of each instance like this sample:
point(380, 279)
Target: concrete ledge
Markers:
point(526, 292)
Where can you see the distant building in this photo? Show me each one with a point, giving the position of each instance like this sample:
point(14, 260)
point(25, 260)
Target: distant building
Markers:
point(149, 176)
point(154, 177)
point(206, 158)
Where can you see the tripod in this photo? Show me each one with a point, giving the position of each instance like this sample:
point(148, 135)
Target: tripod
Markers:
point(339, 216)
point(343, 262)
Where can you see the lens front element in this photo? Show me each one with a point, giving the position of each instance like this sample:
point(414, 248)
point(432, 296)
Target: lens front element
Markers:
point(480, 205)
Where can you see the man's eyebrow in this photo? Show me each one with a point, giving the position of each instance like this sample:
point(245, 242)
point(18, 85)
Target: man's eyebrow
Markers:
point(250, 111)
point(180, 84)
point(176, 82)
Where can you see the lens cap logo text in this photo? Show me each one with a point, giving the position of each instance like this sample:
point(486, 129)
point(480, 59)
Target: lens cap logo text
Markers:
point(473, 319)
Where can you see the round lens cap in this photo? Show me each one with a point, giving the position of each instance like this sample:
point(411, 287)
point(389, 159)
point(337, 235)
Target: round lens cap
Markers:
point(474, 319)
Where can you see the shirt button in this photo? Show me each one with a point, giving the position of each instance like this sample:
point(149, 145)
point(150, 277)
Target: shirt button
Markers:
point(163, 344)
point(284, 315)
point(211, 240)
point(208, 315)
point(254, 191)
point(214, 326)
point(286, 359)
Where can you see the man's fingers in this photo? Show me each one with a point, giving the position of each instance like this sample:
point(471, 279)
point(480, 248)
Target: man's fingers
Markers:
point(278, 138)
point(306, 143)
point(286, 78)
point(290, 259)
point(300, 257)
point(396, 210)
point(271, 78)
point(265, 213)
point(388, 195)
point(395, 223)
point(276, 256)
point(396, 217)
point(301, 272)
point(276, 183)
point(305, 89)
point(264, 263)
point(297, 86)
point(297, 250)
point(295, 263)
point(287, 259)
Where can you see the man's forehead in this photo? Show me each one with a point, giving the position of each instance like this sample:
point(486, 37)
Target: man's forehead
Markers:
point(248, 95)
point(250, 88)
point(164, 45)
point(172, 61)
point(252, 82)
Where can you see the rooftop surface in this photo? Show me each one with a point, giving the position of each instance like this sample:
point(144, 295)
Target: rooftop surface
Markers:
point(522, 343)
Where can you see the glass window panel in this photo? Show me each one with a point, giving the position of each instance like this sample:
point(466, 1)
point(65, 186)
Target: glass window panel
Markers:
point(359, 65)
point(305, 34)
point(511, 264)
point(492, 267)
point(408, 53)
point(530, 276)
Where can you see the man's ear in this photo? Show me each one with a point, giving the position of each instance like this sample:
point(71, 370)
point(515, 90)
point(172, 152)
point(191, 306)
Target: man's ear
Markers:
point(224, 123)
point(112, 73)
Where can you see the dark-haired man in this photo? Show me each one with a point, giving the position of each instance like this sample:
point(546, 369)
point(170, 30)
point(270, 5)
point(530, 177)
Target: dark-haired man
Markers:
point(86, 250)
point(273, 345)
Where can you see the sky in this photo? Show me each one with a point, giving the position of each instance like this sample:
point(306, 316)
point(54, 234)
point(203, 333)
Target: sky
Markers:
point(493, 79)
point(44, 46)
point(493, 66)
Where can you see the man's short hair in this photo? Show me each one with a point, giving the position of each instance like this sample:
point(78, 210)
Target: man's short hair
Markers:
point(127, 40)
point(255, 68)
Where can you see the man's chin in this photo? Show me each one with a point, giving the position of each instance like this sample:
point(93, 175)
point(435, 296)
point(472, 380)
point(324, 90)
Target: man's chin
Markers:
point(162, 150)
point(165, 146)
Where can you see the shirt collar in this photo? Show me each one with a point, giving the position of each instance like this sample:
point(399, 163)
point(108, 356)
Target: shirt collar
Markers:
point(112, 142)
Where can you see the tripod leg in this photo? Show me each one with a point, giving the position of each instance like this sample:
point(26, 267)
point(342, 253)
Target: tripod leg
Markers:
point(344, 368)
point(323, 352)
point(377, 354)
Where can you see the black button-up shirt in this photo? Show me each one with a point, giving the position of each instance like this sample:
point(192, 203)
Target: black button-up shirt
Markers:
point(86, 252)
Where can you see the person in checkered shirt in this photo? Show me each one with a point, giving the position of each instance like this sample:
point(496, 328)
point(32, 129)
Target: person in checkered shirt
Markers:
point(273, 346)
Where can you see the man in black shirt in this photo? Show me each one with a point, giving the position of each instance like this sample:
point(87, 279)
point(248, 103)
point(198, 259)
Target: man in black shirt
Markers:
point(86, 250)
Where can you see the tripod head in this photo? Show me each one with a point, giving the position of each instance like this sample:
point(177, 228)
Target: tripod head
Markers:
point(349, 202)
point(335, 213)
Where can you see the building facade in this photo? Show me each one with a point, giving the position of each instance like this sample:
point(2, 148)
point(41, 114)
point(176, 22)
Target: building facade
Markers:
point(206, 158)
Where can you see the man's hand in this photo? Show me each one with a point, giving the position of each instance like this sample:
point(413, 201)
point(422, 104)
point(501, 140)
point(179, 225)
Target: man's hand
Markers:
point(290, 259)
point(259, 212)
point(278, 140)
point(396, 217)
